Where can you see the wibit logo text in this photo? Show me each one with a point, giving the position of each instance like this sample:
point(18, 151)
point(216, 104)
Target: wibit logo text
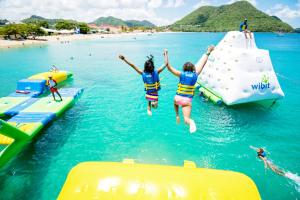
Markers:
point(264, 84)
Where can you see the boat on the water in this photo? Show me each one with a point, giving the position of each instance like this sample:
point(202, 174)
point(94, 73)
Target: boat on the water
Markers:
point(30, 108)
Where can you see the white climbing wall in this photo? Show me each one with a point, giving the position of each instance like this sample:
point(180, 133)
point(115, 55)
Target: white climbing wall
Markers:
point(239, 72)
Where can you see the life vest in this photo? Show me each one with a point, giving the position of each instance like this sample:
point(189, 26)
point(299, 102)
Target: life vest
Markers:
point(151, 81)
point(51, 83)
point(243, 26)
point(262, 154)
point(186, 85)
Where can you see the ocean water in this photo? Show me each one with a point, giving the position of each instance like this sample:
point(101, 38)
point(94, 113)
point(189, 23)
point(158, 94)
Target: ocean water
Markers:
point(110, 123)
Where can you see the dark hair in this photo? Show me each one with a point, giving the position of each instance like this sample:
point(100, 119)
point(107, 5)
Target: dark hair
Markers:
point(188, 66)
point(261, 150)
point(149, 64)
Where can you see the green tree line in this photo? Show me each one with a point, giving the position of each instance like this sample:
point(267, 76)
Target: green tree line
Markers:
point(34, 28)
point(21, 30)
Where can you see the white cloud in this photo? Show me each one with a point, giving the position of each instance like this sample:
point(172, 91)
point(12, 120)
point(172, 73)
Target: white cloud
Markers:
point(174, 3)
point(154, 3)
point(253, 2)
point(202, 3)
point(285, 12)
point(84, 10)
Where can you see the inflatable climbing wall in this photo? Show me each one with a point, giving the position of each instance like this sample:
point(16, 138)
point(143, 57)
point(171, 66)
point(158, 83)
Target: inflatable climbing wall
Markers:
point(238, 72)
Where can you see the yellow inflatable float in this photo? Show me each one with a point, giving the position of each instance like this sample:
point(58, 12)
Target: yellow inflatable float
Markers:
point(58, 76)
point(127, 180)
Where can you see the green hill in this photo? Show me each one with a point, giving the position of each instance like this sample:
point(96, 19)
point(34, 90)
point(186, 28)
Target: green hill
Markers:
point(109, 21)
point(136, 23)
point(34, 19)
point(119, 22)
point(228, 18)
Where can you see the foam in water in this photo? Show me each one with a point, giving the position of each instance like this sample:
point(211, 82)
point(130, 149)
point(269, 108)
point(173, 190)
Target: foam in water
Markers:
point(295, 178)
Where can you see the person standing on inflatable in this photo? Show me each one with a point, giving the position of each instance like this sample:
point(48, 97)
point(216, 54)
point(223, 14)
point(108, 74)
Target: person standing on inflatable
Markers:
point(151, 81)
point(53, 87)
point(186, 86)
point(244, 28)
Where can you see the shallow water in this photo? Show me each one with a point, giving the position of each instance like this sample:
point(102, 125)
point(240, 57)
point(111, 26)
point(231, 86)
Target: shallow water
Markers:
point(110, 122)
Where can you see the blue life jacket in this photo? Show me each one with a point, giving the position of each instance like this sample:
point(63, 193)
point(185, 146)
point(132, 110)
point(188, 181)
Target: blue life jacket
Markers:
point(151, 81)
point(243, 26)
point(263, 154)
point(186, 85)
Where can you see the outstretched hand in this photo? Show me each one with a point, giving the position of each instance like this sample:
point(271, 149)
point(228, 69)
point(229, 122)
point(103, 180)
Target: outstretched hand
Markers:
point(166, 57)
point(210, 48)
point(121, 57)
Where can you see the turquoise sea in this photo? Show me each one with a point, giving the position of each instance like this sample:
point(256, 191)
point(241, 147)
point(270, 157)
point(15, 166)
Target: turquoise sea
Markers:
point(110, 123)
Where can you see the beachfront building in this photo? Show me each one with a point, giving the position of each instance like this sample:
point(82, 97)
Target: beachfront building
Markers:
point(110, 29)
point(94, 28)
point(105, 28)
point(58, 32)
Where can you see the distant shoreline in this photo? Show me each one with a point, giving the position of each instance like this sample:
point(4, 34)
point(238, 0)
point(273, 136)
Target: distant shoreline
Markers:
point(44, 40)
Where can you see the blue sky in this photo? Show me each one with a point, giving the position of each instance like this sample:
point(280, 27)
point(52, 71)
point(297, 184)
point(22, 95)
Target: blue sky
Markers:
point(161, 12)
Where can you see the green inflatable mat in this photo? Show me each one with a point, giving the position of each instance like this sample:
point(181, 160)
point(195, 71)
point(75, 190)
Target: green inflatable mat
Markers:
point(7, 103)
point(48, 105)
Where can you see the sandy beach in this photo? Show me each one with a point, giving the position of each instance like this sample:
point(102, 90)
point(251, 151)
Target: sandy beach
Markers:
point(44, 40)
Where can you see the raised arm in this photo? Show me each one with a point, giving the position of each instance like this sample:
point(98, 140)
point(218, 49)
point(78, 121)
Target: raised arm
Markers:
point(130, 64)
point(202, 62)
point(170, 68)
point(161, 68)
point(254, 148)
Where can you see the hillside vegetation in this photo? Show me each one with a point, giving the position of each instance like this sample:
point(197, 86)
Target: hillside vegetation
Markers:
point(119, 22)
point(228, 18)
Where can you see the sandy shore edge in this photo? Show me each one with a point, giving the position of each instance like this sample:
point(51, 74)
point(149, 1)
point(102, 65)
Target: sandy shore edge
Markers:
point(44, 40)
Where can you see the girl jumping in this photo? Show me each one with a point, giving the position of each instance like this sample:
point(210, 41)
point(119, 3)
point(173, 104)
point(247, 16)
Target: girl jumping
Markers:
point(151, 81)
point(185, 92)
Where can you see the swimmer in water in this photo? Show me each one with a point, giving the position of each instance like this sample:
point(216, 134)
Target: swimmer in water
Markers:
point(261, 154)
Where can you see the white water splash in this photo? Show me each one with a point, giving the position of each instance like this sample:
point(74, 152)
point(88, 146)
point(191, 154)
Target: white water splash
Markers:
point(295, 178)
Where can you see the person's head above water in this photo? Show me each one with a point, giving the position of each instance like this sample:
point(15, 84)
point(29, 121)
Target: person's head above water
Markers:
point(149, 64)
point(188, 67)
point(261, 152)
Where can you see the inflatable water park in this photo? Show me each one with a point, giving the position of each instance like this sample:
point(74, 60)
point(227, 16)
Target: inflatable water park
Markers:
point(128, 180)
point(29, 109)
point(238, 72)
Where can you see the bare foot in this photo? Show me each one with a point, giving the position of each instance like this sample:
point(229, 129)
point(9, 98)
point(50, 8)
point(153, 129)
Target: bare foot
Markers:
point(177, 119)
point(149, 112)
point(193, 127)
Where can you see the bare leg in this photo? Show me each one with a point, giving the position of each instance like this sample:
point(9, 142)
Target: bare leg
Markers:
point(187, 113)
point(59, 95)
point(149, 108)
point(275, 169)
point(186, 110)
point(176, 107)
point(154, 104)
point(245, 32)
point(250, 34)
point(53, 96)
